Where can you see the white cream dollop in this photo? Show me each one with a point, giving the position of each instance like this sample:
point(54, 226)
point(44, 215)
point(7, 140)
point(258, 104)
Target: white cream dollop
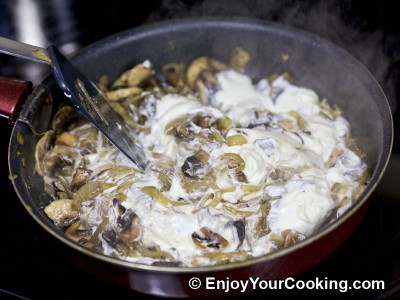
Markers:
point(238, 97)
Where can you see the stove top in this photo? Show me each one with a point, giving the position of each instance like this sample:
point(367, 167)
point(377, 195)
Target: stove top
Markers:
point(31, 263)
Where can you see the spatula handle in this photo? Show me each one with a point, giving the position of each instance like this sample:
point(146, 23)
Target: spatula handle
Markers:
point(18, 49)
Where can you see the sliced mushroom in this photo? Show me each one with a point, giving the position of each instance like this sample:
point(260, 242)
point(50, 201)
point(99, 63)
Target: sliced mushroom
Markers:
point(262, 227)
point(42, 146)
point(77, 233)
point(54, 163)
point(63, 119)
point(124, 113)
point(180, 128)
point(153, 251)
point(112, 239)
point(129, 226)
point(300, 120)
point(165, 180)
point(203, 121)
point(80, 178)
point(70, 152)
point(174, 75)
point(123, 93)
point(240, 228)
point(202, 91)
point(66, 139)
point(286, 238)
point(117, 207)
point(194, 70)
point(196, 166)
point(86, 147)
point(61, 212)
point(88, 132)
point(209, 239)
point(137, 76)
point(234, 161)
point(61, 188)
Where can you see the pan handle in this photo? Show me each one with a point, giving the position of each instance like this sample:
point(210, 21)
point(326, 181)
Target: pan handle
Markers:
point(13, 93)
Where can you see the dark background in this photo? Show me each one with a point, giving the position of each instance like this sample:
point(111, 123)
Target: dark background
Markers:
point(32, 264)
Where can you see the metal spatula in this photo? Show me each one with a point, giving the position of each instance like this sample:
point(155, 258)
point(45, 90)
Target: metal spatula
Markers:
point(84, 94)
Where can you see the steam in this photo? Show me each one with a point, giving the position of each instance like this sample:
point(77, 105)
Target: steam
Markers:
point(325, 18)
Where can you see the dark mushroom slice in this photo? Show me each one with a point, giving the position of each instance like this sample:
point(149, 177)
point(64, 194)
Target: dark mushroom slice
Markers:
point(118, 208)
point(80, 178)
point(240, 228)
point(129, 226)
point(261, 227)
point(54, 163)
point(286, 238)
point(196, 166)
point(209, 239)
point(112, 239)
point(61, 188)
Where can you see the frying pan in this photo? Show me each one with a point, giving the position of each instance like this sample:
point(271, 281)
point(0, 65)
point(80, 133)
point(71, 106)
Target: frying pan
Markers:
point(313, 62)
